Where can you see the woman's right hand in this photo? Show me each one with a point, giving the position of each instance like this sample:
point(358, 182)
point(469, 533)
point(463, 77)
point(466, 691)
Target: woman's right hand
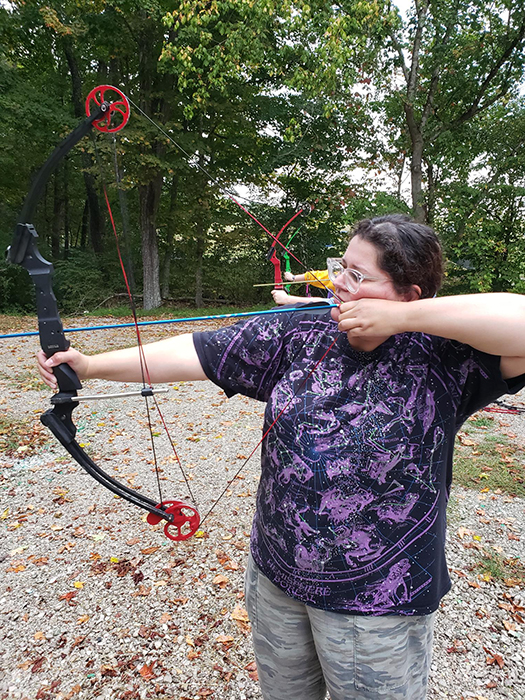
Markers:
point(75, 359)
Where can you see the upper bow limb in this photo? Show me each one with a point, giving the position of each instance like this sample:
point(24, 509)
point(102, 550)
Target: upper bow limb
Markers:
point(170, 360)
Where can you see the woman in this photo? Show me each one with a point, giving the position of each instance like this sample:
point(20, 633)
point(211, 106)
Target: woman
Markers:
point(347, 562)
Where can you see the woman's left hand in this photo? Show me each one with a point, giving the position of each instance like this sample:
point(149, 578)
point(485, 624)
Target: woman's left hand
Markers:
point(371, 317)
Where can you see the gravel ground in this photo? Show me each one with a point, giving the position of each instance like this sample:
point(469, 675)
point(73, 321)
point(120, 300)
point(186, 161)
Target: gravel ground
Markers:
point(95, 603)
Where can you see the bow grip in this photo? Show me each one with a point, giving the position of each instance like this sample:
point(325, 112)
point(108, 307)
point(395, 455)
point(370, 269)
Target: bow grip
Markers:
point(24, 251)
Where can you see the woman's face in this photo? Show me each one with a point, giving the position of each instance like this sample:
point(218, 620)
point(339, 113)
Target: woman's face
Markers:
point(361, 255)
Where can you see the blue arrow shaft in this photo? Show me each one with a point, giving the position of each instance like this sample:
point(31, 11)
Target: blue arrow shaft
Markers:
point(171, 320)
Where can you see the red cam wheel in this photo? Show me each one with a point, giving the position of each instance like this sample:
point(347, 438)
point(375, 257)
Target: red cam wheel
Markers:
point(186, 520)
point(118, 113)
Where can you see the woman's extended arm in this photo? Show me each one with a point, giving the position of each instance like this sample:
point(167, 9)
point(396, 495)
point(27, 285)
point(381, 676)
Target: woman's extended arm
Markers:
point(492, 323)
point(170, 360)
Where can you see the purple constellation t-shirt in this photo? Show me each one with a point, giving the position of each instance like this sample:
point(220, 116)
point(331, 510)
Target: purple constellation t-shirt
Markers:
point(356, 472)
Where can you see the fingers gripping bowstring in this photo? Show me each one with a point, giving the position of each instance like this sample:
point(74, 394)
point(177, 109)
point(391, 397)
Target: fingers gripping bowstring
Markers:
point(144, 370)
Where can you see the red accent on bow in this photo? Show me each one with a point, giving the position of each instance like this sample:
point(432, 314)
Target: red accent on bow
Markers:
point(185, 522)
point(272, 255)
point(118, 113)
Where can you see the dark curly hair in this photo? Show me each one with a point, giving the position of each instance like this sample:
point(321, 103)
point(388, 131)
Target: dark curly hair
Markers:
point(410, 253)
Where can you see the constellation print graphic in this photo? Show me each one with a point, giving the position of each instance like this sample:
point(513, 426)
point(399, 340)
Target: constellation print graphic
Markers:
point(354, 484)
point(392, 590)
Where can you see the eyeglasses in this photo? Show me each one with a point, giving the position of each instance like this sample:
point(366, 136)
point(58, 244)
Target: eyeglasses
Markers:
point(347, 278)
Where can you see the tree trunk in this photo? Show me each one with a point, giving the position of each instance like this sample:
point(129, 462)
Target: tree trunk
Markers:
point(416, 165)
point(199, 254)
point(67, 232)
point(152, 86)
point(166, 263)
point(128, 257)
point(148, 197)
point(431, 194)
point(84, 225)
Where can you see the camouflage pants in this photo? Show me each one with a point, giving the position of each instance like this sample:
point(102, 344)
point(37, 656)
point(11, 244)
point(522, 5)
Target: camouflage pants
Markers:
point(302, 652)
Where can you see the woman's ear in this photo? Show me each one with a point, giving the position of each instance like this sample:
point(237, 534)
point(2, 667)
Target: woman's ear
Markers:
point(414, 293)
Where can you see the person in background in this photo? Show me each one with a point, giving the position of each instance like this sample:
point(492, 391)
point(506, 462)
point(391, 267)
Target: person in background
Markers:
point(317, 278)
point(347, 554)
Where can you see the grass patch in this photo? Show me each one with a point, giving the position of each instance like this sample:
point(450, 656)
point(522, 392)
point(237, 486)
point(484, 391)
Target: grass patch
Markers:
point(23, 381)
point(486, 459)
point(497, 567)
point(21, 438)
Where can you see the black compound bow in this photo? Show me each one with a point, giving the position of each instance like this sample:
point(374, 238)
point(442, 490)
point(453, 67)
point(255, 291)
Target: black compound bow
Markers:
point(182, 520)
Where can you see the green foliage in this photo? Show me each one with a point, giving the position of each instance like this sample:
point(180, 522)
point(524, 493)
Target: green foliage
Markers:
point(82, 282)
point(297, 101)
point(16, 293)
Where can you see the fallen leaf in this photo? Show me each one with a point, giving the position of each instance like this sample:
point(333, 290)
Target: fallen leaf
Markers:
point(78, 641)
point(149, 550)
point(492, 658)
point(231, 566)
point(220, 580)
point(457, 648)
point(178, 601)
point(252, 671)
point(17, 569)
point(511, 582)
point(147, 671)
point(226, 640)
point(108, 671)
point(68, 596)
point(462, 531)
point(143, 591)
point(37, 665)
point(239, 613)
point(466, 441)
